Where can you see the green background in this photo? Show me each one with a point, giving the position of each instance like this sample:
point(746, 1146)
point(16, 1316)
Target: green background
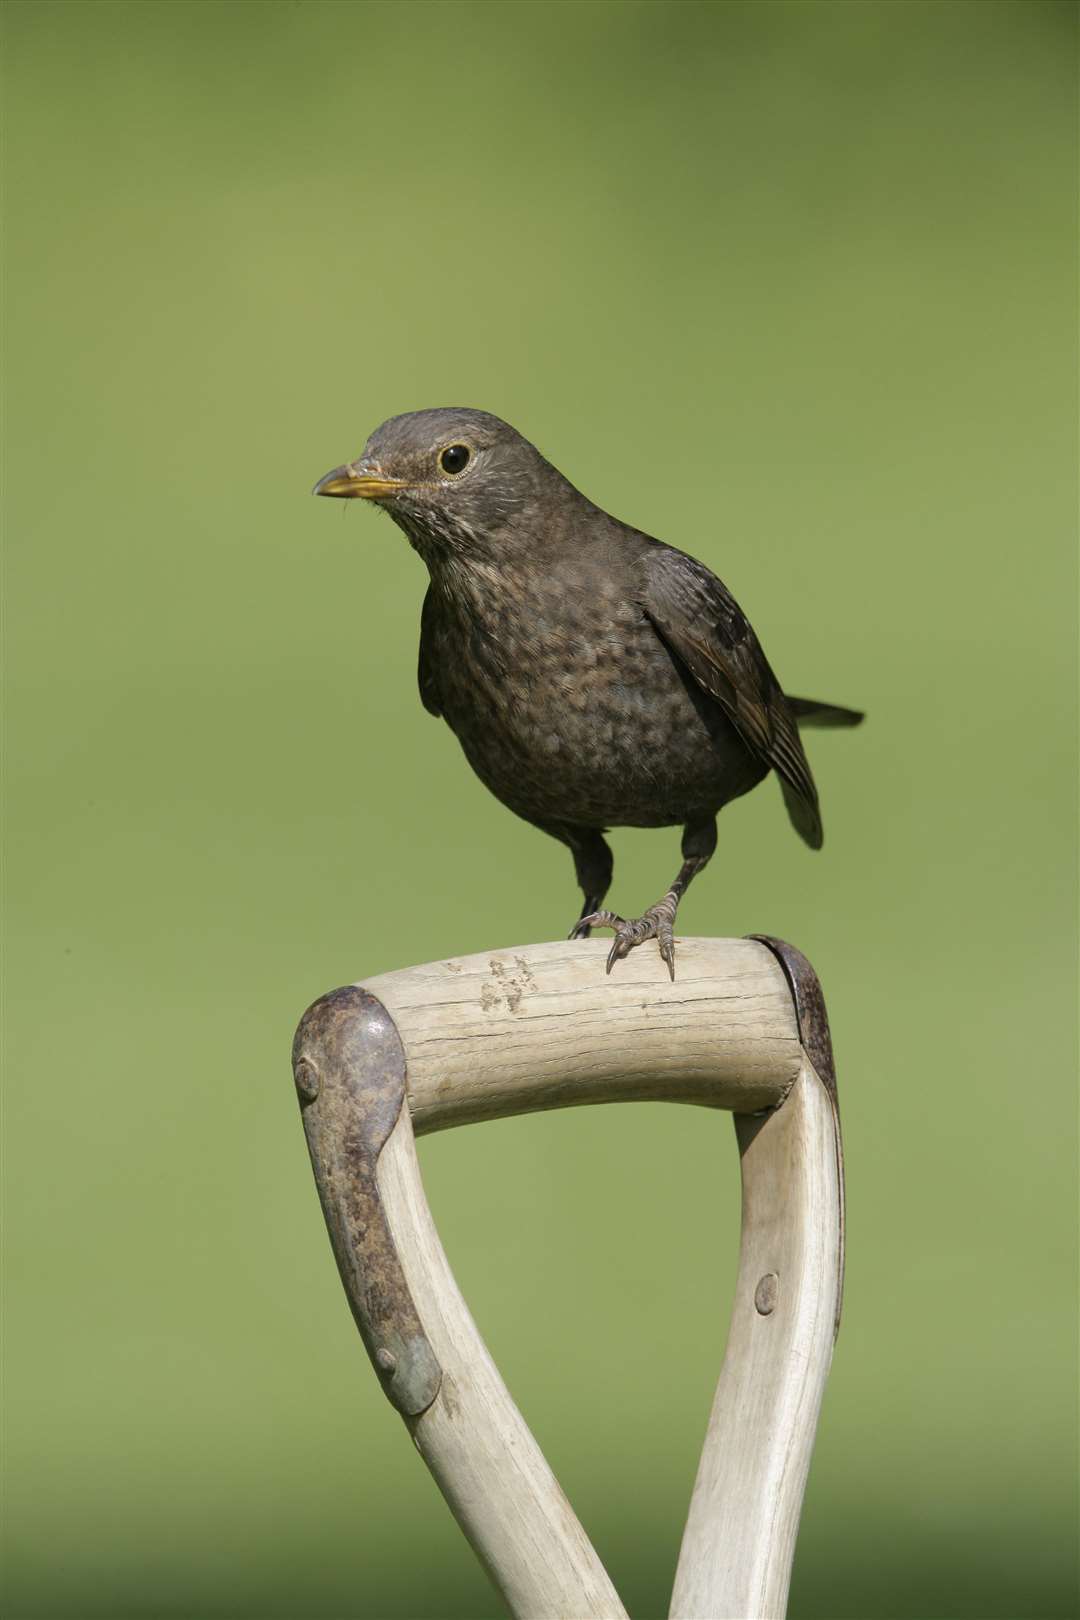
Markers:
point(788, 285)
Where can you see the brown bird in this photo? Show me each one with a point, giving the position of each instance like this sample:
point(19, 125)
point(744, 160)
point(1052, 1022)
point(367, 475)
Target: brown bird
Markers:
point(594, 677)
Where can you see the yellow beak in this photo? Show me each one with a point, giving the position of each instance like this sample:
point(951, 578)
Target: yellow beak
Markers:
point(349, 484)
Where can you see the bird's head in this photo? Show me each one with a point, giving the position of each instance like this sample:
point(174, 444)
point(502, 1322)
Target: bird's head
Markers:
point(450, 478)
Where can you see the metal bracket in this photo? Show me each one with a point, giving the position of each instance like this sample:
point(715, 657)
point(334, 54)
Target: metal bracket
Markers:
point(349, 1067)
point(813, 1022)
point(810, 1014)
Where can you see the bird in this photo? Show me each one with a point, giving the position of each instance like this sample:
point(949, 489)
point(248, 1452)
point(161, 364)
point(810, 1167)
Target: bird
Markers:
point(595, 677)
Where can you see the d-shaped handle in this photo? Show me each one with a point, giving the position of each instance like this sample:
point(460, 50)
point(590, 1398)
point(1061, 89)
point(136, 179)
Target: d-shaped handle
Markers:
point(743, 1028)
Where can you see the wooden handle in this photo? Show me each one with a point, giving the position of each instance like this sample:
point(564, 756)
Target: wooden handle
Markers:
point(542, 1026)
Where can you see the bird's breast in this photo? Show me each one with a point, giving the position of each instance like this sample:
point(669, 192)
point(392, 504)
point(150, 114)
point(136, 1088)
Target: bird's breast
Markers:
point(570, 708)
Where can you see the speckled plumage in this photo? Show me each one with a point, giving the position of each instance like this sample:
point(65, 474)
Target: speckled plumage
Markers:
point(594, 677)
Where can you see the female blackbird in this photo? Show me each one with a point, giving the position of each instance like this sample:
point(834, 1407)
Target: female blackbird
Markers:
point(594, 677)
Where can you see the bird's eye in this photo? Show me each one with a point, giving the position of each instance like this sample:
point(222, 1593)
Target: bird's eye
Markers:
point(454, 459)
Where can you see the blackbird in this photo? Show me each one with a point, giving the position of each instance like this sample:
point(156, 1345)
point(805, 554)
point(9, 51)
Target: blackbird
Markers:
point(595, 677)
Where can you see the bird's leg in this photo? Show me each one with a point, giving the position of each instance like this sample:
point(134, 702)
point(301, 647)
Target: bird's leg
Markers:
point(593, 863)
point(658, 921)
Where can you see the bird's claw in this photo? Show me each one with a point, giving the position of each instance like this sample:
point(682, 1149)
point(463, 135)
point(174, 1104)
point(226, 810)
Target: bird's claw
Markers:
point(655, 923)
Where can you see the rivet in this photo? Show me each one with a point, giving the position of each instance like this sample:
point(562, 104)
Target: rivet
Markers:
point(766, 1294)
point(386, 1359)
point(306, 1076)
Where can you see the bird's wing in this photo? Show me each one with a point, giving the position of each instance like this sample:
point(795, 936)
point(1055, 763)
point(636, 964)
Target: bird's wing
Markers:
point(705, 629)
point(426, 668)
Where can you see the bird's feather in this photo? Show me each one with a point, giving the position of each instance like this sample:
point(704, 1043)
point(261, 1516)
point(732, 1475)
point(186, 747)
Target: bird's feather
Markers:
point(809, 712)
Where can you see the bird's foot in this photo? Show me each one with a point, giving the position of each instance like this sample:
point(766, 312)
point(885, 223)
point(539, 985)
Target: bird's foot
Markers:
point(655, 923)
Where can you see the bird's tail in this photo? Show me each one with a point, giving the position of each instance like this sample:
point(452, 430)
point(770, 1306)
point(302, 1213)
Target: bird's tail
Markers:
point(808, 712)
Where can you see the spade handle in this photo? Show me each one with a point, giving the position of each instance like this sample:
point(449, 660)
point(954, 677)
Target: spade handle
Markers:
point(541, 1026)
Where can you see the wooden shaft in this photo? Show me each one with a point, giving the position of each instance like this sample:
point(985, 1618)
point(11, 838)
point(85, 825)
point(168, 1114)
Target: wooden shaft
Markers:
point(739, 1541)
point(542, 1026)
point(484, 1459)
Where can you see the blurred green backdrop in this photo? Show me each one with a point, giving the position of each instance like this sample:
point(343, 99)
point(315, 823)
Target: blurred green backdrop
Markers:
point(789, 285)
